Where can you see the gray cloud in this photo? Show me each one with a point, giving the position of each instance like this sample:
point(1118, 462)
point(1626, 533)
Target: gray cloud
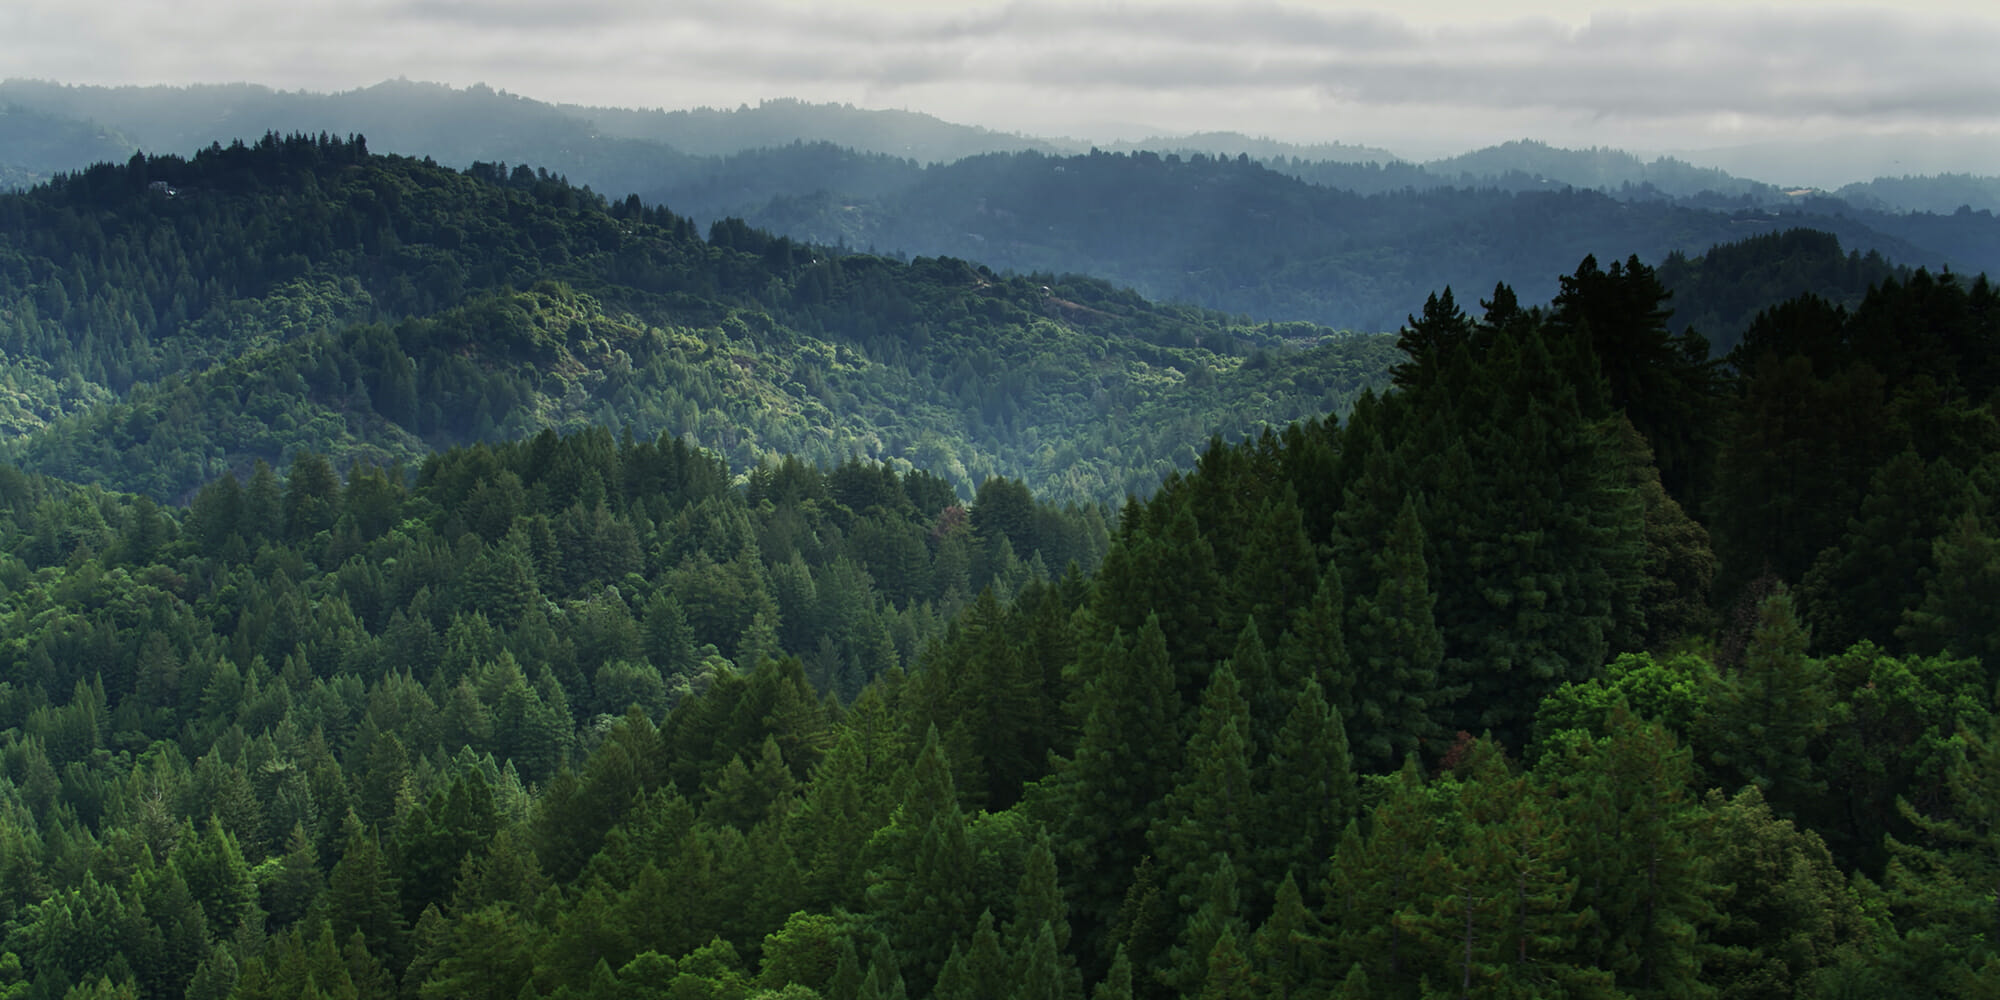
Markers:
point(1687, 76)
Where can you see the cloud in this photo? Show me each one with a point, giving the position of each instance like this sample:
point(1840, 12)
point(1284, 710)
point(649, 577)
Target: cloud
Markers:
point(1290, 68)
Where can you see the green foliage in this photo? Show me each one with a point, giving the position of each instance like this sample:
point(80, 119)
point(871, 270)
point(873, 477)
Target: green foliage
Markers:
point(595, 715)
point(508, 305)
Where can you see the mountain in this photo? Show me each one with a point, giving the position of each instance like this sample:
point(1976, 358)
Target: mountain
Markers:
point(168, 319)
point(719, 132)
point(1723, 290)
point(1516, 165)
point(37, 144)
point(1256, 228)
point(1942, 194)
point(1232, 144)
point(1242, 237)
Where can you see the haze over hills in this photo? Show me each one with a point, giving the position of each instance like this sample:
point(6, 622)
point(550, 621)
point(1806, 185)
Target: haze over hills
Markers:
point(1289, 234)
point(458, 125)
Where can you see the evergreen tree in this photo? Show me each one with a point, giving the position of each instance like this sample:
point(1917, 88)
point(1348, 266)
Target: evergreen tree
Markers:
point(1957, 615)
point(1314, 646)
point(1215, 926)
point(1635, 857)
point(362, 896)
point(1377, 878)
point(1308, 792)
point(1396, 649)
point(1209, 816)
point(1285, 951)
point(921, 893)
point(1125, 762)
point(1764, 720)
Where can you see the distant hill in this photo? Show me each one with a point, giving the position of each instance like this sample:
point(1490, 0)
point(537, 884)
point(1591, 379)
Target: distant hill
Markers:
point(1236, 143)
point(36, 144)
point(1611, 170)
point(169, 319)
point(1720, 291)
point(719, 132)
point(1250, 226)
point(1244, 238)
point(1942, 194)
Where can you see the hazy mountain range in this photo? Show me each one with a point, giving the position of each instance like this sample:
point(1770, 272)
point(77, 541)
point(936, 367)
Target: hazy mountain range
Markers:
point(1347, 236)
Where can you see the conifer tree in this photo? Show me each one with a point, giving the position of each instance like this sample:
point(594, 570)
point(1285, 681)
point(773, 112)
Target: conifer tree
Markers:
point(1634, 855)
point(1125, 761)
point(1218, 915)
point(921, 896)
point(1957, 615)
point(1228, 976)
point(1039, 909)
point(1267, 703)
point(1308, 792)
point(1209, 815)
point(362, 895)
point(1314, 646)
point(1277, 570)
point(1376, 878)
point(1763, 721)
point(847, 974)
point(1396, 649)
point(1285, 952)
point(1117, 982)
point(988, 966)
point(1040, 970)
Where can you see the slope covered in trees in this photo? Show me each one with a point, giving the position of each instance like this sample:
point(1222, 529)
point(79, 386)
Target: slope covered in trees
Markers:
point(1343, 236)
point(168, 319)
point(1241, 236)
point(1570, 664)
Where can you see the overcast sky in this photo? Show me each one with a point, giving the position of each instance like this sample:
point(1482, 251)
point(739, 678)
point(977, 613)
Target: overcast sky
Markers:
point(1423, 77)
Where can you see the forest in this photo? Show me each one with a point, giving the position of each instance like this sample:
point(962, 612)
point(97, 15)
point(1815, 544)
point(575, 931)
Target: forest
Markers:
point(167, 319)
point(1566, 656)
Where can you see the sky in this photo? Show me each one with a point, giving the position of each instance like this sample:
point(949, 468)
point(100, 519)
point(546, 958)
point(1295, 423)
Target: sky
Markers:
point(1423, 78)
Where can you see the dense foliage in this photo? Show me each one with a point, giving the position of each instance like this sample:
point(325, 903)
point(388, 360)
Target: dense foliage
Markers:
point(455, 584)
point(168, 319)
point(586, 716)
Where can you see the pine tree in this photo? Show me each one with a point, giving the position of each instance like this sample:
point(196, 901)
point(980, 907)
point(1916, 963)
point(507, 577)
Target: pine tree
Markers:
point(1396, 649)
point(1125, 761)
point(1040, 971)
point(1039, 910)
point(1277, 570)
point(1376, 878)
point(921, 896)
point(1769, 710)
point(1228, 976)
point(1634, 855)
point(1209, 815)
point(1308, 792)
point(1218, 915)
point(218, 878)
point(362, 896)
point(1117, 982)
point(1314, 646)
point(1285, 951)
point(1957, 615)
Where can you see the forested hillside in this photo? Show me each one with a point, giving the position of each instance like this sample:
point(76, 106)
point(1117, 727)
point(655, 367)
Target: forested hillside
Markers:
point(1572, 663)
point(1241, 236)
point(168, 319)
point(1343, 236)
